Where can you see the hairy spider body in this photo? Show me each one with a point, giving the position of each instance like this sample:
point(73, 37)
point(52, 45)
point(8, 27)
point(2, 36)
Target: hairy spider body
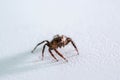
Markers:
point(57, 42)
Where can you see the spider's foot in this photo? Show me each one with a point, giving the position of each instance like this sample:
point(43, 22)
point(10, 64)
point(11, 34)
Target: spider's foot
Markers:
point(77, 53)
point(56, 60)
point(66, 60)
point(32, 51)
point(42, 59)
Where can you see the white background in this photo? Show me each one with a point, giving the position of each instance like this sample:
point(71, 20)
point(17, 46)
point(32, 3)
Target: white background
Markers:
point(92, 24)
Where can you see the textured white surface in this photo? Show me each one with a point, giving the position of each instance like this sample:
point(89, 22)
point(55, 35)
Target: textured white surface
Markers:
point(92, 24)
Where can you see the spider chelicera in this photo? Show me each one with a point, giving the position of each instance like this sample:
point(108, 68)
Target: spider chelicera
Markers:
point(57, 42)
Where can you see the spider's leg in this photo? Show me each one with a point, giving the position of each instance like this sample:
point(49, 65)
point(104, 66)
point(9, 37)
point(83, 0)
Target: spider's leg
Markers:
point(74, 46)
point(52, 55)
point(60, 54)
point(43, 51)
point(38, 45)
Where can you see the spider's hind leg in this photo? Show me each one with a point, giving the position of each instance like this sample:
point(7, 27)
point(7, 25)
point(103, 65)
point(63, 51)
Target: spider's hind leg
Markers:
point(38, 45)
point(43, 51)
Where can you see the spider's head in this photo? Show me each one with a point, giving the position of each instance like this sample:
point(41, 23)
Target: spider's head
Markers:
point(63, 38)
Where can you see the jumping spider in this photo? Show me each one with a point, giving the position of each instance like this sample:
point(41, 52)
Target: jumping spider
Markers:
point(57, 42)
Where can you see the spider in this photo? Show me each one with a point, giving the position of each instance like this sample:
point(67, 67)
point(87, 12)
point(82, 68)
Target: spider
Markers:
point(57, 42)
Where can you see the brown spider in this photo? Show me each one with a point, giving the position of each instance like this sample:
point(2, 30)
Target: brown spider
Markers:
point(57, 42)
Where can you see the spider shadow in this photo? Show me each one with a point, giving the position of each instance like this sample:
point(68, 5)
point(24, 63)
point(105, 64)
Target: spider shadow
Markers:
point(17, 64)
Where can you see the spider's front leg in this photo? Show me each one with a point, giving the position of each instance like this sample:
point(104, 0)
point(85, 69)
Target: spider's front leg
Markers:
point(60, 55)
point(52, 55)
point(70, 40)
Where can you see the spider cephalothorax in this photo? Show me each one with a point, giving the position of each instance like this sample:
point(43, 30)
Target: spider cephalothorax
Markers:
point(57, 42)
